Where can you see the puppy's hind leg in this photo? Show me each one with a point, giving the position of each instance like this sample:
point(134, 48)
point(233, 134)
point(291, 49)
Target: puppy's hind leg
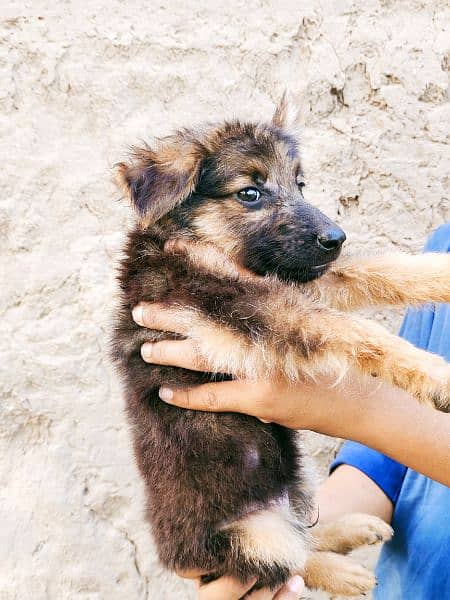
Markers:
point(270, 544)
point(336, 574)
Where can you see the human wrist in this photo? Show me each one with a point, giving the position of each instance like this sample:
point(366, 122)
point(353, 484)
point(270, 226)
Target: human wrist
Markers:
point(315, 408)
point(362, 409)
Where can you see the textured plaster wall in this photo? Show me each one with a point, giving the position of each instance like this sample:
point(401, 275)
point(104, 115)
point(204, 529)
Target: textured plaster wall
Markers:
point(81, 81)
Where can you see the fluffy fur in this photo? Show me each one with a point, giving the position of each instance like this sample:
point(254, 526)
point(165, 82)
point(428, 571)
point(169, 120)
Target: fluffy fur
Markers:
point(227, 493)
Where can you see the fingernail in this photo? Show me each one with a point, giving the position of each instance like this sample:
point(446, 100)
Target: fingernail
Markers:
point(146, 351)
point(295, 584)
point(138, 314)
point(165, 394)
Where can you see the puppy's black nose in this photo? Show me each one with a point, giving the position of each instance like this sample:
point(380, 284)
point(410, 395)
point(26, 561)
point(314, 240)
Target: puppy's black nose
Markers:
point(331, 239)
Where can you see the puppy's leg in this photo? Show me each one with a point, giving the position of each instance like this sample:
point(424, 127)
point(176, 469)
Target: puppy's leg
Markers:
point(259, 337)
point(393, 279)
point(390, 279)
point(270, 543)
point(350, 532)
point(337, 574)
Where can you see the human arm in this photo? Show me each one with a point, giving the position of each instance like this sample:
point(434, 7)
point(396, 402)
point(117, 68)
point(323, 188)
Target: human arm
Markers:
point(334, 499)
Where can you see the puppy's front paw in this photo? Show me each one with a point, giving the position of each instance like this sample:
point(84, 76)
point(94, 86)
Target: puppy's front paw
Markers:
point(338, 575)
point(441, 396)
point(362, 530)
point(427, 380)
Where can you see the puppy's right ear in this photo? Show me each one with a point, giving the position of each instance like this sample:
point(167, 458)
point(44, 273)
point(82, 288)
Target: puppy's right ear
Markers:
point(156, 181)
point(287, 114)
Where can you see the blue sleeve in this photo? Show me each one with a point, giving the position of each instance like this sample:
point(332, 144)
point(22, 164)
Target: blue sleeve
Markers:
point(385, 472)
point(420, 327)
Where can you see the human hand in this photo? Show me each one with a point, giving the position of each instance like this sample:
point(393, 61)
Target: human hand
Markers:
point(357, 408)
point(319, 406)
point(228, 588)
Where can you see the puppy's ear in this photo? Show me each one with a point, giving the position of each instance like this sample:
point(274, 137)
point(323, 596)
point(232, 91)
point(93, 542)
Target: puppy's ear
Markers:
point(287, 113)
point(158, 180)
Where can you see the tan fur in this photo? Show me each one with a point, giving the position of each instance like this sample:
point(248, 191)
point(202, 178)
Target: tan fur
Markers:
point(350, 532)
point(392, 279)
point(324, 569)
point(337, 575)
point(120, 178)
point(212, 228)
point(337, 341)
point(177, 158)
point(272, 536)
point(287, 115)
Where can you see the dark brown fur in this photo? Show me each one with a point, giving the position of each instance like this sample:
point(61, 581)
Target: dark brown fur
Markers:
point(204, 472)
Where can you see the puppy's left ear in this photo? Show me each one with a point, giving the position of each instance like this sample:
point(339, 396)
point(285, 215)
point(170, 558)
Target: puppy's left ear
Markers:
point(159, 179)
point(287, 113)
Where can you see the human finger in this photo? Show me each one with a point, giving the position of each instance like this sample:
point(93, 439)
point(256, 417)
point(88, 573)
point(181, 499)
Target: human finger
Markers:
point(290, 591)
point(160, 317)
point(225, 588)
point(247, 397)
point(176, 353)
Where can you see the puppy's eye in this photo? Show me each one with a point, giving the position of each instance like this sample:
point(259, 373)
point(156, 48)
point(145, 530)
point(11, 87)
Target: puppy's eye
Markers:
point(301, 182)
point(249, 195)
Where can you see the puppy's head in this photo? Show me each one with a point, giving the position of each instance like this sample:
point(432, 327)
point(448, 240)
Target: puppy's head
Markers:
point(238, 186)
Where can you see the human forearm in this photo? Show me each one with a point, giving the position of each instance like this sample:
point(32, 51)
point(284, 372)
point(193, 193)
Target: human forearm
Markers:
point(391, 422)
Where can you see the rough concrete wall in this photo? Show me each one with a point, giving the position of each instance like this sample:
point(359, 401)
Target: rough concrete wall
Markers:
point(81, 81)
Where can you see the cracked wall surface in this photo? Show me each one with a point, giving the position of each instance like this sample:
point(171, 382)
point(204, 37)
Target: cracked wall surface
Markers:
point(80, 82)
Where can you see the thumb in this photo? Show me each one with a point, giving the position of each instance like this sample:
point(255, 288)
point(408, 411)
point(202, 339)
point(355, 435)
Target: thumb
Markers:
point(291, 590)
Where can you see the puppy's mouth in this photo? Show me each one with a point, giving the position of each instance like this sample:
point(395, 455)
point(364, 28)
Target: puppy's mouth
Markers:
point(302, 274)
point(314, 272)
point(322, 267)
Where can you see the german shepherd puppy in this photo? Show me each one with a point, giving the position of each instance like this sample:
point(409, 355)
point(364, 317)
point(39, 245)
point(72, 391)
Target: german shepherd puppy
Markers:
point(226, 493)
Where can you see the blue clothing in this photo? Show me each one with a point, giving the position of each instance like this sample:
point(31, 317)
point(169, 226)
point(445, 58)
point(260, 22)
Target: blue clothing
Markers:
point(415, 565)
